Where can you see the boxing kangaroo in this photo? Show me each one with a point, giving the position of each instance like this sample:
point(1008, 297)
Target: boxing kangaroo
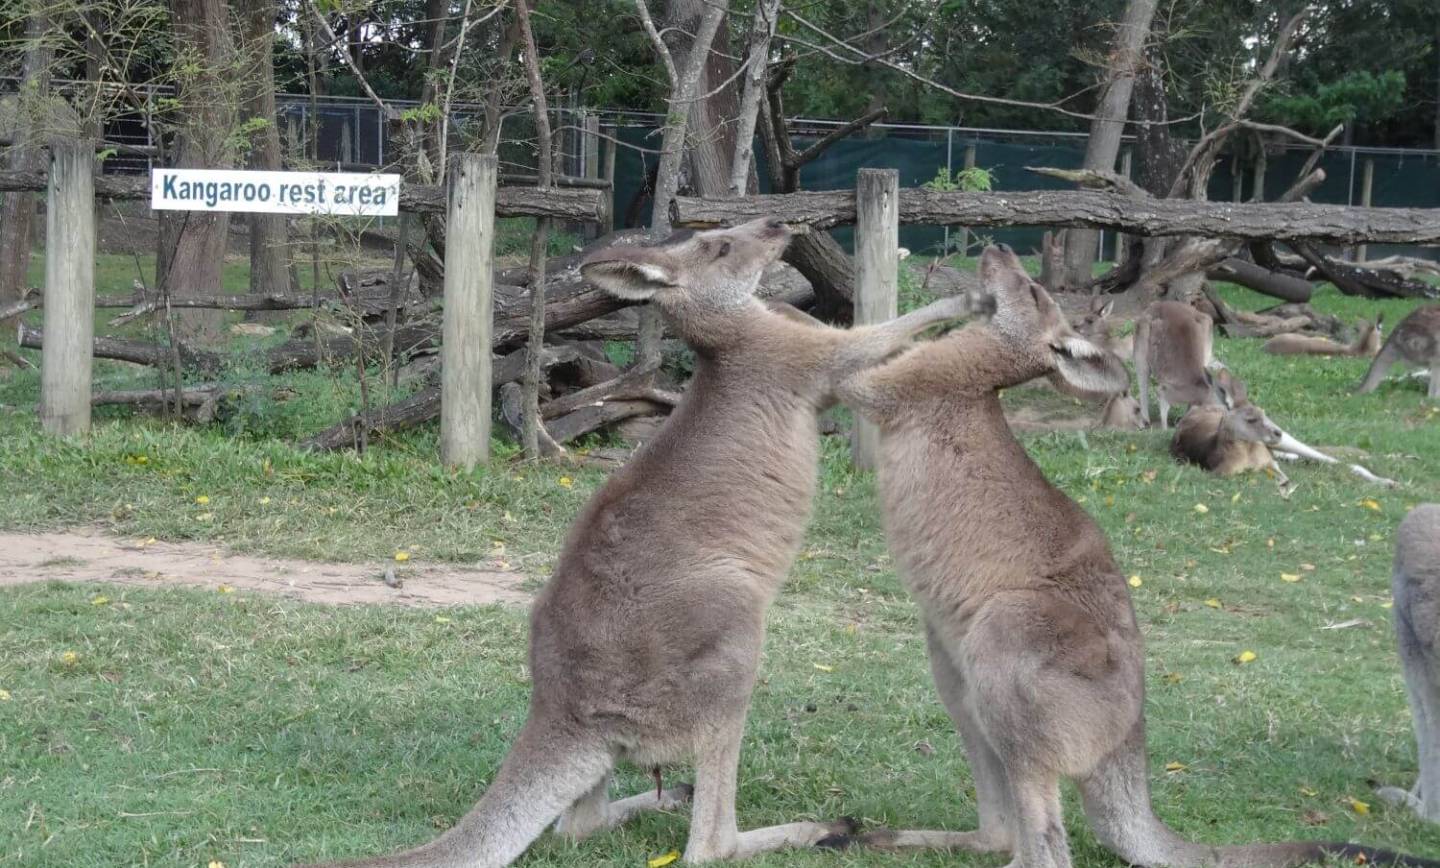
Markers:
point(644, 644)
point(1031, 633)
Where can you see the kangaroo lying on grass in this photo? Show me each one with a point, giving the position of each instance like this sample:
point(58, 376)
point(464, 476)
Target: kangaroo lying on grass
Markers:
point(1231, 437)
point(645, 642)
point(1416, 587)
point(1366, 345)
point(1031, 633)
point(1416, 340)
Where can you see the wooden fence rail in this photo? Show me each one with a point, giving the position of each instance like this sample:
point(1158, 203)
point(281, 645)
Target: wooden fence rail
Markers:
point(1272, 221)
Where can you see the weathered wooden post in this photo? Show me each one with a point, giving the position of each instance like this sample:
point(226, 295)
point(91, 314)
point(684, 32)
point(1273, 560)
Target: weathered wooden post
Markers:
point(469, 312)
point(590, 163)
point(1367, 186)
point(612, 147)
point(969, 163)
point(69, 289)
point(877, 264)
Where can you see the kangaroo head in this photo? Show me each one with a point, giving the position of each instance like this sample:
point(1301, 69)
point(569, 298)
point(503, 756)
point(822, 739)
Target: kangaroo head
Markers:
point(1094, 324)
point(1249, 422)
point(709, 270)
point(1040, 340)
point(1371, 336)
point(1122, 413)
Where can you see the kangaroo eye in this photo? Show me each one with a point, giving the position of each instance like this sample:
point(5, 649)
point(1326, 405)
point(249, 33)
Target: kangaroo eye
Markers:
point(724, 250)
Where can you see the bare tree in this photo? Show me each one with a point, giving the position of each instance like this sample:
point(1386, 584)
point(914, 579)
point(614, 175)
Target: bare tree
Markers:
point(192, 243)
point(269, 254)
point(1126, 58)
point(17, 215)
point(685, 77)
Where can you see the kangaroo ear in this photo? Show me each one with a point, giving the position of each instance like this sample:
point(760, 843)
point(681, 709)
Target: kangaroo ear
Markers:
point(1086, 371)
point(633, 273)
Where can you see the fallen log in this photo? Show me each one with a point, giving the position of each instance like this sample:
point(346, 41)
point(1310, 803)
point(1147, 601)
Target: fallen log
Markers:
point(1281, 221)
point(1361, 281)
point(199, 404)
point(593, 417)
point(1272, 283)
point(422, 406)
point(637, 377)
point(583, 205)
point(135, 352)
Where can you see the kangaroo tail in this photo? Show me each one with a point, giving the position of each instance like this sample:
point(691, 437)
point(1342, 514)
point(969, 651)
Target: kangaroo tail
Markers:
point(1117, 803)
point(545, 772)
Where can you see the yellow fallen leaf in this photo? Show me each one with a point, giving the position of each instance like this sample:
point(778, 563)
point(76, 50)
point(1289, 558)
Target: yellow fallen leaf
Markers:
point(1109, 500)
point(566, 482)
point(225, 589)
point(1359, 807)
point(1306, 791)
point(264, 501)
point(100, 601)
point(1201, 508)
point(1388, 604)
point(1308, 568)
point(1136, 581)
point(4, 696)
point(508, 518)
point(69, 658)
point(1213, 603)
point(1245, 657)
point(823, 668)
point(1289, 577)
point(441, 619)
point(1173, 678)
point(1371, 503)
point(203, 499)
point(497, 547)
point(205, 516)
point(402, 555)
point(1358, 599)
point(1270, 543)
point(1175, 767)
point(1235, 498)
point(663, 860)
point(216, 863)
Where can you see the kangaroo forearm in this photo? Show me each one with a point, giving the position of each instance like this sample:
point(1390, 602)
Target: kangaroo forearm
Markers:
point(864, 346)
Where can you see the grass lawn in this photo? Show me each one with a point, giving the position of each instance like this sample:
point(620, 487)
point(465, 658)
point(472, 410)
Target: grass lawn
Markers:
point(176, 727)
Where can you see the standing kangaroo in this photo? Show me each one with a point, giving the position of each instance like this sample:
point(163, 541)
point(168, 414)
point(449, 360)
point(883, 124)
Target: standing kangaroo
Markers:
point(1031, 633)
point(1415, 340)
point(1415, 584)
point(1173, 345)
point(1366, 345)
point(645, 643)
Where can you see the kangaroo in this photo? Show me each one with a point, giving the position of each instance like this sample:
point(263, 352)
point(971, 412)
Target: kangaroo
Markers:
point(1415, 584)
point(1097, 326)
point(1231, 438)
point(645, 643)
point(1415, 340)
point(1173, 345)
point(1032, 637)
point(1366, 345)
point(1121, 413)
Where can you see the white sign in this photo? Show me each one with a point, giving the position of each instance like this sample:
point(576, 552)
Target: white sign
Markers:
point(341, 193)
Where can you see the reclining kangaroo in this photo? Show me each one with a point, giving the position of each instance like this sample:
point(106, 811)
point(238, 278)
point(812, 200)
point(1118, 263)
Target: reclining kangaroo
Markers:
point(644, 644)
point(1367, 344)
point(1031, 633)
point(1228, 438)
point(1416, 587)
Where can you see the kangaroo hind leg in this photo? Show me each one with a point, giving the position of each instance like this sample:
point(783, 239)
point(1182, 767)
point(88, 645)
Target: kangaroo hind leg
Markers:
point(992, 786)
point(714, 833)
point(595, 812)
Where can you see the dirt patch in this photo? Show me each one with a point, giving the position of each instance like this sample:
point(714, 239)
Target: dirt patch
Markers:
point(86, 557)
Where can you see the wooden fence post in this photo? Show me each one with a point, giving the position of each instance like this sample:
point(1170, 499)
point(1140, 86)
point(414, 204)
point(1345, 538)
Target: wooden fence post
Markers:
point(877, 264)
point(590, 162)
point(69, 289)
point(1367, 186)
point(965, 230)
point(612, 148)
point(467, 321)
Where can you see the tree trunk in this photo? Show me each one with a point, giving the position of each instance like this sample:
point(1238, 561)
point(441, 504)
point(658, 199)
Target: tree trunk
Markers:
point(1103, 146)
point(195, 240)
point(711, 134)
point(269, 256)
point(17, 214)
